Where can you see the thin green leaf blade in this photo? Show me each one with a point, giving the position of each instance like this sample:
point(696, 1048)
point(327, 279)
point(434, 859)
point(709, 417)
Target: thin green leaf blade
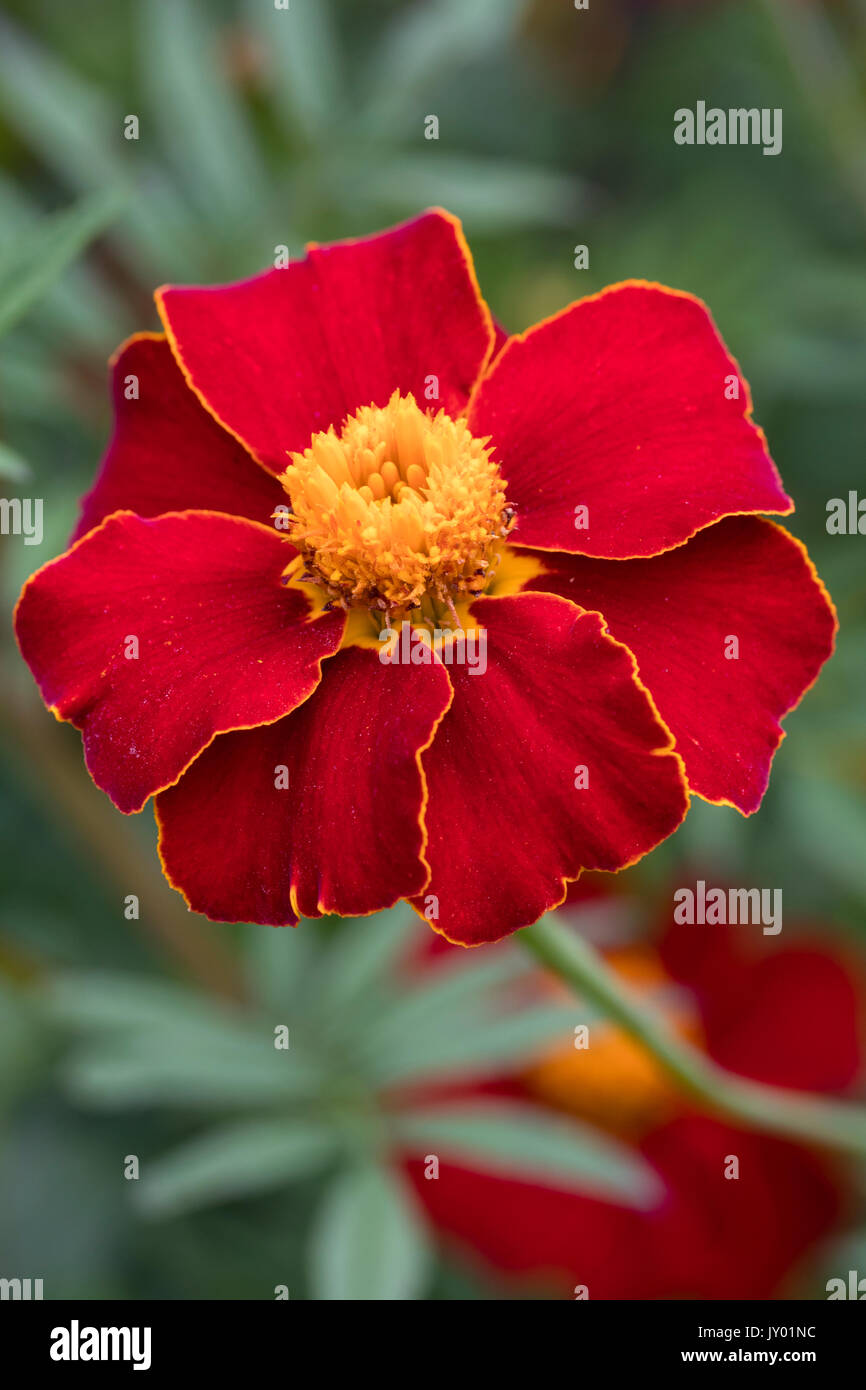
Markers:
point(97, 1001)
point(359, 958)
point(522, 1140)
point(490, 195)
point(132, 1077)
point(280, 962)
point(304, 63)
point(237, 1160)
point(422, 45)
point(368, 1241)
point(67, 121)
point(202, 123)
point(473, 1043)
point(31, 267)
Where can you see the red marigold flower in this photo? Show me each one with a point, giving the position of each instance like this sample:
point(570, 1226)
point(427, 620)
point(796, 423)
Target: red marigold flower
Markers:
point(708, 1237)
point(348, 444)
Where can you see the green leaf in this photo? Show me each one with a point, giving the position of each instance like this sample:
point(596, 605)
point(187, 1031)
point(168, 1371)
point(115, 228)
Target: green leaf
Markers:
point(495, 195)
point(368, 1241)
point(157, 1043)
point(203, 127)
point(525, 1141)
point(472, 1042)
point(29, 269)
point(64, 119)
point(445, 987)
point(424, 43)
point(77, 132)
point(455, 1020)
point(359, 957)
point(106, 999)
point(78, 305)
point(237, 1160)
point(280, 962)
point(304, 63)
point(129, 1077)
point(12, 466)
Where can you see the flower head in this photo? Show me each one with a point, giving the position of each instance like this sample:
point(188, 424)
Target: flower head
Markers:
point(308, 461)
point(402, 510)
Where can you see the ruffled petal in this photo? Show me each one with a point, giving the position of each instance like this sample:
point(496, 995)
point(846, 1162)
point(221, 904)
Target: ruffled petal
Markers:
point(294, 350)
point(614, 428)
point(152, 636)
point(320, 812)
point(549, 762)
point(744, 586)
point(167, 454)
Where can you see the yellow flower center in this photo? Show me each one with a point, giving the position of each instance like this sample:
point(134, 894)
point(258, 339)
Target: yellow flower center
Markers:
point(402, 512)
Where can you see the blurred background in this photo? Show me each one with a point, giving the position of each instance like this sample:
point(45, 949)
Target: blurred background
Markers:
point(153, 1037)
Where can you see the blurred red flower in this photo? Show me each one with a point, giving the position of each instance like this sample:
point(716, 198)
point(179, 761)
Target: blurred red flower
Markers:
point(789, 1017)
point(308, 460)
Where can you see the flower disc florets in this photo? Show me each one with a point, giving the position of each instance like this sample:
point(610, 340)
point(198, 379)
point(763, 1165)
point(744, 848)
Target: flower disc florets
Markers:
point(401, 510)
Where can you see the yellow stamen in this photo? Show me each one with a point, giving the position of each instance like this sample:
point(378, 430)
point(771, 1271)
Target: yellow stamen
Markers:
point(400, 508)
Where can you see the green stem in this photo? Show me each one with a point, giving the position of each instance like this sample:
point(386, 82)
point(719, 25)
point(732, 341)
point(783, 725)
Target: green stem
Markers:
point(792, 1113)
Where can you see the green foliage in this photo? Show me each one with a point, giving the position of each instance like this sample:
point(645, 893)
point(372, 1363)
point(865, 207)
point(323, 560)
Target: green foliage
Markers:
point(361, 1019)
point(29, 267)
point(12, 467)
point(234, 1161)
point(367, 1242)
point(513, 1139)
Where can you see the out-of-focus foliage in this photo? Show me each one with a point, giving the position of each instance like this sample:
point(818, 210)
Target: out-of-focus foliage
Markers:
point(260, 128)
point(301, 1084)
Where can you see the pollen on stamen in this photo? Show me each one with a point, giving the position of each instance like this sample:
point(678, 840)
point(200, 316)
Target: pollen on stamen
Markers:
point(400, 511)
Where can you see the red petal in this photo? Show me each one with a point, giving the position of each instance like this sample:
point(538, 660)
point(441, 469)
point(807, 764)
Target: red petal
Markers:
point(618, 405)
point(221, 644)
point(168, 454)
point(558, 693)
point(295, 350)
point(744, 578)
point(754, 997)
point(724, 1238)
point(767, 1041)
point(500, 338)
point(344, 835)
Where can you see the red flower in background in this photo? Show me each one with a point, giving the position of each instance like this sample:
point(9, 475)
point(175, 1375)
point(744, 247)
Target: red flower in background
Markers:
point(348, 444)
point(788, 1017)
